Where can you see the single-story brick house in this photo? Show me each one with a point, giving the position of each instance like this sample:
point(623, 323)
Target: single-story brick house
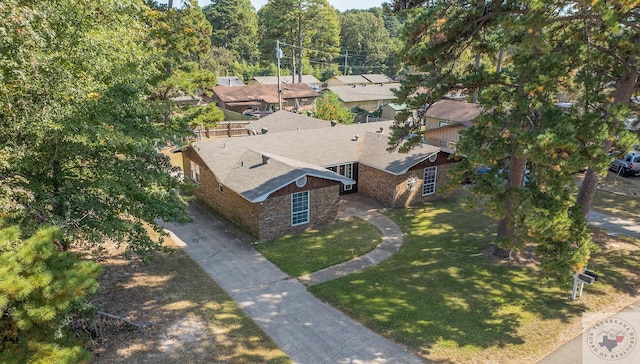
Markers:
point(277, 183)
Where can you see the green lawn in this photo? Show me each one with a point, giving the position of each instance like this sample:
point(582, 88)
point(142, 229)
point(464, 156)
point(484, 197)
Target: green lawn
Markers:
point(316, 249)
point(441, 297)
point(624, 207)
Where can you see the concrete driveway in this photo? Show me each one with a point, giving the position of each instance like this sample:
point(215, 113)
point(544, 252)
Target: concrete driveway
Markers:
point(305, 328)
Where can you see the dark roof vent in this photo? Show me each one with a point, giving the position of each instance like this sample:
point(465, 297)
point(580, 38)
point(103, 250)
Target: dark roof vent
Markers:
point(354, 86)
point(264, 130)
point(380, 131)
point(333, 123)
point(265, 158)
point(356, 137)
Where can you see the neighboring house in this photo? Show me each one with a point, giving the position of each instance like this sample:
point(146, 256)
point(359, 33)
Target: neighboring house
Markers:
point(444, 120)
point(351, 80)
point(230, 81)
point(264, 98)
point(389, 111)
point(369, 97)
point(279, 183)
point(309, 80)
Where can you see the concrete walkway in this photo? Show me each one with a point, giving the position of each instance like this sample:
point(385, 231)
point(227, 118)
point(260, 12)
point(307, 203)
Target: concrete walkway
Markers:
point(392, 238)
point(305, 328)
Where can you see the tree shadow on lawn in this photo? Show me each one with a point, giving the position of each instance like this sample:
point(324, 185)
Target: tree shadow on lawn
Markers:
point(189, 317)
point(617, 264)
point(440, 289)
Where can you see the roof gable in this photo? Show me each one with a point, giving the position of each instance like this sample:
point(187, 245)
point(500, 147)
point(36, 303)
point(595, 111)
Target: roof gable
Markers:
point(375, 154)
point(258, 174)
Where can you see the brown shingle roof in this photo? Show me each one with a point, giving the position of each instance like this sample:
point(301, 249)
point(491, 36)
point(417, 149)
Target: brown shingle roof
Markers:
point(266, 93)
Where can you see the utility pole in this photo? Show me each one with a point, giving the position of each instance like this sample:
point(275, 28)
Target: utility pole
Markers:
point(300, 44)
point(346, 54)
point(278, 56)
point(293, 66)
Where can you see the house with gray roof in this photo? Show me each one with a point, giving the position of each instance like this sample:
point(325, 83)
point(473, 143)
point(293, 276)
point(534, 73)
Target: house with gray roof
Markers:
point(273, 184)
point(369, 97)
point(445, 119)
point(351, 80)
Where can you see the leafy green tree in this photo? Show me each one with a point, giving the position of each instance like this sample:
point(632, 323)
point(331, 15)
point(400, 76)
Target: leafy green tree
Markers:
point(329, 107)
point(78, 126)
point(235, 27)
point(530, 147)
point(182, 38)
point(309, 25)
point(367, 40)
point(40, 289)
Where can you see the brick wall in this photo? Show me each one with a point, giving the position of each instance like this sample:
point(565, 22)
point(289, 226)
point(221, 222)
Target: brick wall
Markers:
point(228, 203)
point(393, 190)
point(275, 214)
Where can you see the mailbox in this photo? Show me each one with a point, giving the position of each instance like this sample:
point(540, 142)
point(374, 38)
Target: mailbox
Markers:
point(591, 274)
point(586, 278)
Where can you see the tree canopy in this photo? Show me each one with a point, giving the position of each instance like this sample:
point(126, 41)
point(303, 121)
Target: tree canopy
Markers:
point(310, 26)
point(366, 39)
point(80, 127)
point(527, 56)
point(329, 107)
point(234, 27)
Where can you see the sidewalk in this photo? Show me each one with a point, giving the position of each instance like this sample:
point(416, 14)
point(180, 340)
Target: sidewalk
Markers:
point(305, 328)
point(392, 238)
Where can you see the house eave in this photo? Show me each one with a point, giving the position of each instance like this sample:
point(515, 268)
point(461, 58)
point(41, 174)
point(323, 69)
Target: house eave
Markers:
point(344, 180)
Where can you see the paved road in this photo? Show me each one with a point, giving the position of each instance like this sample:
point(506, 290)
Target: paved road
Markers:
point(571, 352)
point(306, 329)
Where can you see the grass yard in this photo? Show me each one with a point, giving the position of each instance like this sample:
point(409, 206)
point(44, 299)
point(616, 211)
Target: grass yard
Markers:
point(444, 299)
point(624, 207)
point(313, 250)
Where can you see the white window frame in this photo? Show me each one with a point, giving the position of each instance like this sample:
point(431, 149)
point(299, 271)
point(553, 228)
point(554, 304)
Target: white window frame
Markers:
point(299, 210)
point(348, 172)
point(194, 170)
point(429, 181)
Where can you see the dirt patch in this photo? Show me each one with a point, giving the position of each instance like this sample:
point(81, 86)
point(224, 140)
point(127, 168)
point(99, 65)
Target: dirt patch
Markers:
point(183, 316)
